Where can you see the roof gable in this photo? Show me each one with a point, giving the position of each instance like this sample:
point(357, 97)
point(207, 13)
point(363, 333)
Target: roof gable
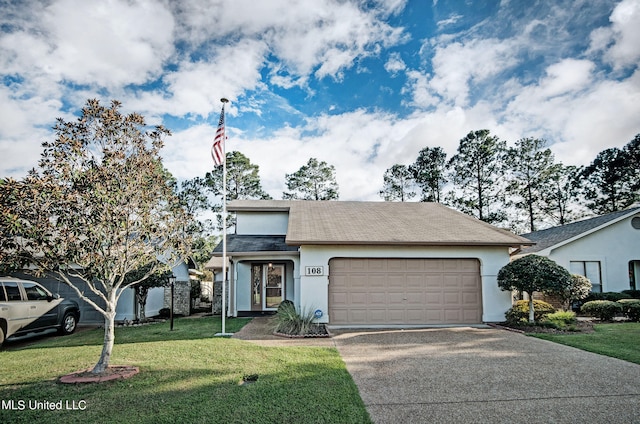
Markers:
point(557, 236)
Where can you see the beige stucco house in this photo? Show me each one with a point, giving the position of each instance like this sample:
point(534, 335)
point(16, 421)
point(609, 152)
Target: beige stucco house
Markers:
point(367, 263)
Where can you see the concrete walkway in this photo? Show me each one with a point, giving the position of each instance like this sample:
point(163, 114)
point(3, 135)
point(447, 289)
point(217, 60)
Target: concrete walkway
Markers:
point(474, 375)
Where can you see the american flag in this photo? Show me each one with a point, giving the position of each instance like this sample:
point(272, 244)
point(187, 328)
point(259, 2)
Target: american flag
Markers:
point(217, 150)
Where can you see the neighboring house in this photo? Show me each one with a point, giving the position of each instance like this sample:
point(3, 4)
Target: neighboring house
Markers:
point(126, 308)
point(605, 249)
point(367, 263)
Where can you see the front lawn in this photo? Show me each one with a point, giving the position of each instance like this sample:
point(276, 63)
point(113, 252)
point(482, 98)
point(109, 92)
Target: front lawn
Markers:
point(186, 376)
point(619, 340)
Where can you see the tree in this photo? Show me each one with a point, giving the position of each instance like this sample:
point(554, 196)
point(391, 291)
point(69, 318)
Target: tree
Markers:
point(398, 182)
point(99, 207)
point(632, 149)
point(560, 195)
point(528, 163)
point(533, 273)
point(428, 172)
point(156, 279)
point(609, 181)
point(578, 288)
point(476, 172)
point(243, 182)
point(313, 181)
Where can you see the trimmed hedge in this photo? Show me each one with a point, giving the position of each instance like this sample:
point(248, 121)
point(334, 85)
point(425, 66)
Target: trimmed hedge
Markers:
point(611, 296)
point(602, 309)
point(631, 309)
point(632, 293)
point(519, 312)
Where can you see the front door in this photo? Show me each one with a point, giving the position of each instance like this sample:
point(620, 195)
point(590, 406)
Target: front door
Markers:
point(267, 286)
point(273, 286)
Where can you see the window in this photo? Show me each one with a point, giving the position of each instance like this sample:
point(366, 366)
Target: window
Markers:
point(3, 297)
point(589, 269)
point(34, 292)
point(13, 291)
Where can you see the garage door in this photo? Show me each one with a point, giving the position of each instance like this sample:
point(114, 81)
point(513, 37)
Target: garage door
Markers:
point(404, 291)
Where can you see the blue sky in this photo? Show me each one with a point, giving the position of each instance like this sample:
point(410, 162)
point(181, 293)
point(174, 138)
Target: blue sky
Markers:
point(361, 85)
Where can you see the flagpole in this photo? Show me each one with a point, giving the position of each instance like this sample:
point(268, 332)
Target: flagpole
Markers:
point(224, 230)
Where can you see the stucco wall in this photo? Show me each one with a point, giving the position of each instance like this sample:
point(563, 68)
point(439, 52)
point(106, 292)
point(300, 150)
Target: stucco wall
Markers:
point(613, 246)
point(262, 223)
point(314, 290)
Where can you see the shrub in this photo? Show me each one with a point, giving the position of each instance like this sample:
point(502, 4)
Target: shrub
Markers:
point(289, 321)
point(519, 312)
point(602, 309)
point(610, 296)
point(632, 293)
point(561, 319)
point(631, 309)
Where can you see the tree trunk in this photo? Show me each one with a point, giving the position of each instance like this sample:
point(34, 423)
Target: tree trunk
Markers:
point(531, 310)
point(141, 297)
point(109, 338)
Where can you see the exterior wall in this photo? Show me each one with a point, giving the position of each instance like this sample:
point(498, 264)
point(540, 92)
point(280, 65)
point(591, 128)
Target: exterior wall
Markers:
point(262, 223)
point(314, 290)
point(126, 308)
point(613, 246)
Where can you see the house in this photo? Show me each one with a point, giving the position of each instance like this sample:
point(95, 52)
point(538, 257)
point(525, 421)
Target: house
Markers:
point(367, 263)
point(157, 298)
point(605, 249)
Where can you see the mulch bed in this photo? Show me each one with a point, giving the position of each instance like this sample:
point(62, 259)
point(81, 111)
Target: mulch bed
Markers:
point(113, 372)
point(318, 330)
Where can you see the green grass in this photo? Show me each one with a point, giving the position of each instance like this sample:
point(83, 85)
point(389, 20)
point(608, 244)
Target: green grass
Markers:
point(621, 340)
point(186, 376)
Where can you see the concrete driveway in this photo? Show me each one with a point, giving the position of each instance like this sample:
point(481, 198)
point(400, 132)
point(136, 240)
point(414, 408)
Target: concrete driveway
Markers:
point(477, 375)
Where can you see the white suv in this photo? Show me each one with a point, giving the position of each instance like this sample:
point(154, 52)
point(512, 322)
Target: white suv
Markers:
point(26, 307)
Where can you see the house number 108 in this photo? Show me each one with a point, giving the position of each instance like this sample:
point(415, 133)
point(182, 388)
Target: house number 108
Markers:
point(313, 270)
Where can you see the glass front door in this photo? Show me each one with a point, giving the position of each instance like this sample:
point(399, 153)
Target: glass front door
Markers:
point(273, 286)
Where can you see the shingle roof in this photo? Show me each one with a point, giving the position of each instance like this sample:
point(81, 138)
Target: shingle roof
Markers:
point(553, 236)
point(381, 223)
point(250, 243)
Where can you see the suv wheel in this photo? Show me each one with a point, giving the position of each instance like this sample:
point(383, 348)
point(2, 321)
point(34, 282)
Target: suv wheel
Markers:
point(69, 323)
point(1, 335)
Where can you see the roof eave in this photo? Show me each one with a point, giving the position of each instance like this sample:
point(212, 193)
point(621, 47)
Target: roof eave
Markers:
point(260, 253)
point(406, 243)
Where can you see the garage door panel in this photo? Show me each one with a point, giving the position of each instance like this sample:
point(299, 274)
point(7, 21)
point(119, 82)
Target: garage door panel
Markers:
point(404, 291)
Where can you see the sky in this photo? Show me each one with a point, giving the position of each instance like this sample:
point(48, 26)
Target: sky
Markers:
point(362, 85)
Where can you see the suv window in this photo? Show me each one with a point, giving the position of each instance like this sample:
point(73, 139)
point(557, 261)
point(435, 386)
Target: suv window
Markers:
point(34, 292)
point(13, 291)
point(3, 297)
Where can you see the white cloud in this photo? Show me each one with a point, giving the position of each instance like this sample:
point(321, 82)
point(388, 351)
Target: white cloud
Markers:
point(84, 43)
point(395, 64)
point(625, 31)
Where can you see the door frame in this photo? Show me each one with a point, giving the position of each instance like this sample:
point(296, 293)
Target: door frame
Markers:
point(259, 280)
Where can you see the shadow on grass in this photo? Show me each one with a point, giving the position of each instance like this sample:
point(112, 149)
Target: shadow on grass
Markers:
point(293, 388)
point(183, 329)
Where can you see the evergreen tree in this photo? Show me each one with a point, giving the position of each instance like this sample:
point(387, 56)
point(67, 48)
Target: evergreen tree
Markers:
point(398, 183)
point(608, 183)
point(429, 173)
point(313, 181)
point(476, 172)
point(528, 163)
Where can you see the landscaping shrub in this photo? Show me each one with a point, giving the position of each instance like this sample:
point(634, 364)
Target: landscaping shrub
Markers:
point(611, 296)
point(519, 312)
point(561, 319)
point(631, 309)
point(632, 293)
point(602, 309)
point(289, 321)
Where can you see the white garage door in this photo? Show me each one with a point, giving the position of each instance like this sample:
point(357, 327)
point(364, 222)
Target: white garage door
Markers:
point(404, 291)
